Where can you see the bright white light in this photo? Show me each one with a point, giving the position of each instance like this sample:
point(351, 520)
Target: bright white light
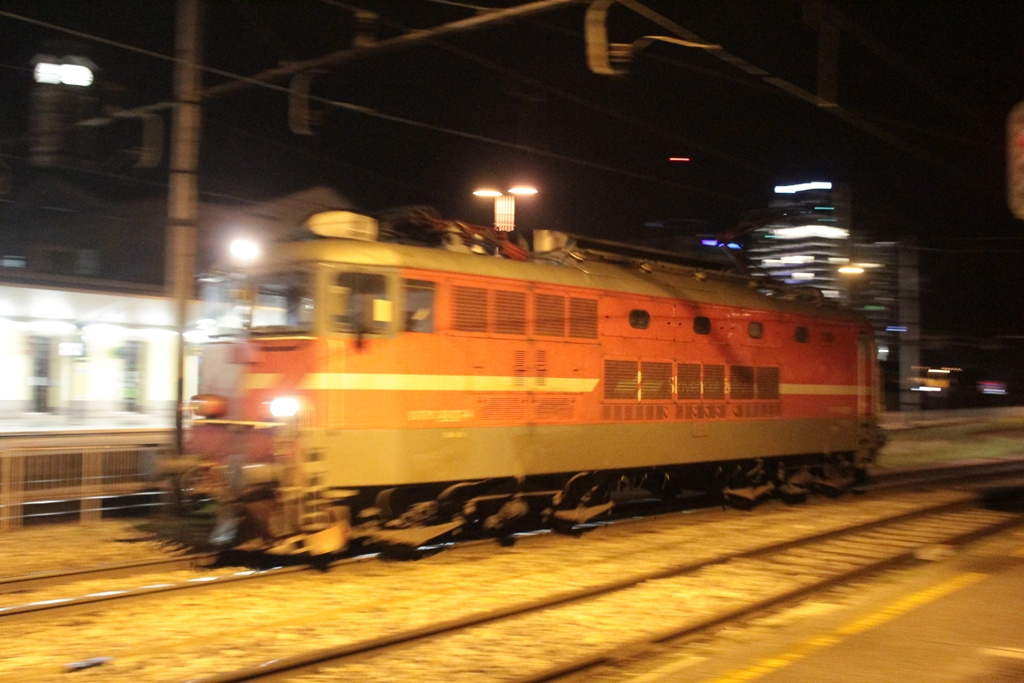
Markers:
point(71, 349)
point(244, 250)
point(487, 193)
point(802, 231)
point(851, 270)
point(792, 189)
point(930, 389)
point(52, 327)
point(63, 74)
point(104, 332)
point(522, 189)
point(797, 259)
point(802, 276)
point(197, 336)
point(284, 406)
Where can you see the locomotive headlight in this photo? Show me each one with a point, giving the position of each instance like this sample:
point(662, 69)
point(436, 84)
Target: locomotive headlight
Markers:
point(209, 405)
point(284, 406)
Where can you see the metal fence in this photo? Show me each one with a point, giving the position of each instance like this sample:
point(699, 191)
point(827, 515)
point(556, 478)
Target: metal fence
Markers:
point(79, 474)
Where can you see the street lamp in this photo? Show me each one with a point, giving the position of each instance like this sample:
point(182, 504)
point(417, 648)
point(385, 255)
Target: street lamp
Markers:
point(505, 204)
point(244, 251)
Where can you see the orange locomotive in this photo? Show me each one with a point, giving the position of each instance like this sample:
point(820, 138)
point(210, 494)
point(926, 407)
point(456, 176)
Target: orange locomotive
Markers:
point(396, 392)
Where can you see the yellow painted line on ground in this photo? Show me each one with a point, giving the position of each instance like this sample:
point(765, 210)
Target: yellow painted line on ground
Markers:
point(888, 613)
point(1005, 652)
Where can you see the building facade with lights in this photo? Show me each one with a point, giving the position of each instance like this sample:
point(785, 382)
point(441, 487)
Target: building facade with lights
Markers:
point(81, 359)
point(809, 240)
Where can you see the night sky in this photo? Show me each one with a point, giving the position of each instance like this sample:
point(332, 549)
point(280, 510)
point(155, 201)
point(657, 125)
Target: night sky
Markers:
point(923, 88)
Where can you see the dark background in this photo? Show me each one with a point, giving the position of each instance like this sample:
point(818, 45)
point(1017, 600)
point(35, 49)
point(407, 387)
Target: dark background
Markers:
point(924, 88)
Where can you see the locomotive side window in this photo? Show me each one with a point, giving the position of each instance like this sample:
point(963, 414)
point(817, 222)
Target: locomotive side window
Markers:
point(639, 319)
point(755, 330)
point(419, 305)
point(801, 335)
point(702, 325)
point(361, 304)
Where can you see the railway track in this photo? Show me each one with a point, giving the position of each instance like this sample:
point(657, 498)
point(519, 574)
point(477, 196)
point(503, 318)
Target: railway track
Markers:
point(150, 579)
point(204, 574)
point(47, 579)
point(569, 633)
point(477, 588)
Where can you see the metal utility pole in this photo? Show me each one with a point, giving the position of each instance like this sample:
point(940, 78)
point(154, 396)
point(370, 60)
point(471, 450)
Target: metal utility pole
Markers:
point(183, 192)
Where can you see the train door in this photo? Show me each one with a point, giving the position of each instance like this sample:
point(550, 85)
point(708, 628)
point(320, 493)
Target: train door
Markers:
point(867, 378)
point(361, 327)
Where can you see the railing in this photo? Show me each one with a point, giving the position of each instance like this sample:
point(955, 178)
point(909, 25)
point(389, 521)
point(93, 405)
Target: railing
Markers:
point(79, 474)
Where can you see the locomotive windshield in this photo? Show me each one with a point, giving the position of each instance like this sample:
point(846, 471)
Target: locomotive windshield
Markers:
point(279, 303)
point(282, 304)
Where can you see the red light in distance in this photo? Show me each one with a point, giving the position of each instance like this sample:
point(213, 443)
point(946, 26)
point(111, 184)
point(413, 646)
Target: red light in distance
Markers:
point(679, 158)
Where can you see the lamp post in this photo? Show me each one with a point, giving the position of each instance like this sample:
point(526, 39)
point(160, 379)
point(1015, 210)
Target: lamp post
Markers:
point(505, 204)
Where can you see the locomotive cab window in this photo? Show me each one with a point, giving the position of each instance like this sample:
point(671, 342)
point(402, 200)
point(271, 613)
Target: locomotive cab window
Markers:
point(282, 304)
point(419, 305)
point(360, 303)
point(755, 330)
point(702, 325)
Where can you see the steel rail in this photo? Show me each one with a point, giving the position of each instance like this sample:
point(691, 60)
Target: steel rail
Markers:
point(690, 630)
point(283, 667)
point(45, 579)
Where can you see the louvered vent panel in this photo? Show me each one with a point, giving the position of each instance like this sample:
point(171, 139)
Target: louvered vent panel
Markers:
point(656, 381)
point(583, 318)
point(554, 409)
point(502, 409)
point(550, 320)
point(620, 380)
point(519, 368)
point(510, 312)
point(714, 382)
point(470, 309)
point(768, 383)
point(741, 382)
point(689, 381)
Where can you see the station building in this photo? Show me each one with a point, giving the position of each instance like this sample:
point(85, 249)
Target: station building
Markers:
point(88, 335)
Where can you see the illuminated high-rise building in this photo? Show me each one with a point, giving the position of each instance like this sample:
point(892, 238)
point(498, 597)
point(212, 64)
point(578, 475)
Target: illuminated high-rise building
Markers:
point(807, 238)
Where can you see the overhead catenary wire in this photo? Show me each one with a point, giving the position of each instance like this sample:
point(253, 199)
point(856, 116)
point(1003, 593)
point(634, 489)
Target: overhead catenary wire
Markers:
point(264, 80)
